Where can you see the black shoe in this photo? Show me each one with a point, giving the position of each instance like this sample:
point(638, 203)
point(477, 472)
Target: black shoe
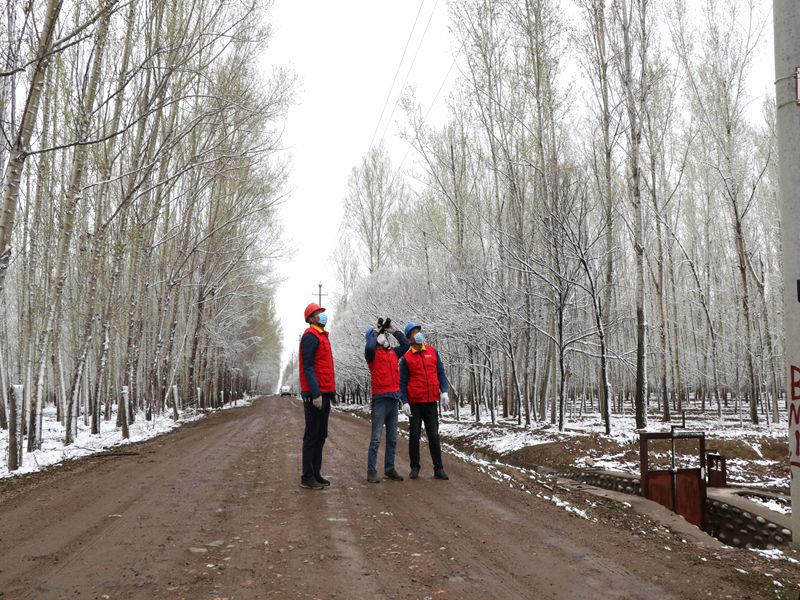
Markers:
point(440, 474)
point(310, 483)
point(322, 480)
point(393, 475)
point(372, 477)
point(414, 474)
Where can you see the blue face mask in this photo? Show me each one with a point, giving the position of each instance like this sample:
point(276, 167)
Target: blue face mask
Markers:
point(323, 319)
point(419, 337)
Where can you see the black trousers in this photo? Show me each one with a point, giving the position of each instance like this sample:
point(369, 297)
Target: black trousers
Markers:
point(314, 435)
point(428, 413)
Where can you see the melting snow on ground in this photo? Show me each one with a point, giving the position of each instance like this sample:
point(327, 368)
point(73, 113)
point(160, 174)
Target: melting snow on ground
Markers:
point(496, 474)
point(776, 554)
point(499, 439)
point(507, 436)
point(772, 504)
point(54, 451)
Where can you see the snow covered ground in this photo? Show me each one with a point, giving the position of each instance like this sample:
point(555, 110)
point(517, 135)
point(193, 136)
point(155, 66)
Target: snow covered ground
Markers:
point(54, 451)
point(507, 436)
point(772, 504)
point(583, 438)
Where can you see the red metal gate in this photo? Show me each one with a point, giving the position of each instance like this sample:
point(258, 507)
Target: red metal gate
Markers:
point(680, 490)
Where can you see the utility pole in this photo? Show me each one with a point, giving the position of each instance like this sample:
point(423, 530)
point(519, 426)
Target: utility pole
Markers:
point(320, 294)
point(786, 15)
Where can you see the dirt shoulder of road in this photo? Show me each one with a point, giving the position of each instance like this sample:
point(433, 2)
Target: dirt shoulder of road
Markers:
point(214, 510)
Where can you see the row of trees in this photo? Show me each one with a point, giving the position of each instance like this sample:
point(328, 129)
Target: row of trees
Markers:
point(595, 227)
point(140, 189)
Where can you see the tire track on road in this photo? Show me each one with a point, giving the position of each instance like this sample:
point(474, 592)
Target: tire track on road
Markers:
point(228, 486)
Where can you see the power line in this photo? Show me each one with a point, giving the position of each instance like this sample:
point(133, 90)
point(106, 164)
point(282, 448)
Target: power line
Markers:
point(430, 107)
point(391, 88)
point(441, 85)
point(408, 73)
point(396, 73)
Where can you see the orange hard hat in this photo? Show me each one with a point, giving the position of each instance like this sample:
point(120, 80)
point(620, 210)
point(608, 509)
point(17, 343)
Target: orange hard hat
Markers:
point(311, 309)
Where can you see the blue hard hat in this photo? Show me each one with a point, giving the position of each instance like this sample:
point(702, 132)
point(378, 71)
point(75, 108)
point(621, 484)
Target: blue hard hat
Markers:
point(370, 330)
point(411, 325)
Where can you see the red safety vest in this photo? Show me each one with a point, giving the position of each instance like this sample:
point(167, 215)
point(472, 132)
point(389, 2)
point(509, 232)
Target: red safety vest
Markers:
point(384, 371)
point(423, 379)
point(323, 364)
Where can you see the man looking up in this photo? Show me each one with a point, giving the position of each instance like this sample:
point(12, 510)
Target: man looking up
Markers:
point(385, 379)
point(422, 384)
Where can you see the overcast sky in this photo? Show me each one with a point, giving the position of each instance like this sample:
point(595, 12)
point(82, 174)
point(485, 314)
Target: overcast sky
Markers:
point(345, 55)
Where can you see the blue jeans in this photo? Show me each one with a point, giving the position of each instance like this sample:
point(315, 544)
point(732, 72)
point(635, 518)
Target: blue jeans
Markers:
point(384, 412)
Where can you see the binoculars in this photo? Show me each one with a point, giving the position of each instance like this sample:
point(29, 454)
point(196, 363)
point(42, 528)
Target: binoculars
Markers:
point(384, 324)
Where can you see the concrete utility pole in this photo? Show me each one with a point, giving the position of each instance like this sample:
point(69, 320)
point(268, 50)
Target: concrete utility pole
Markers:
point(320, 294)
point(786, 15)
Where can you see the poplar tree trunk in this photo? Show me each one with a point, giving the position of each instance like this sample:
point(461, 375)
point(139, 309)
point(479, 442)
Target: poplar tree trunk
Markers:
point(597, 14)
point(73, 195)
point(14, 433)
point(634, 103)
point(20, 147)
point(745, 300)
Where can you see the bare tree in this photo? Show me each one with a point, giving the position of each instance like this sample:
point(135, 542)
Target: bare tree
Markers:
point(632, 20)
point(374, 191)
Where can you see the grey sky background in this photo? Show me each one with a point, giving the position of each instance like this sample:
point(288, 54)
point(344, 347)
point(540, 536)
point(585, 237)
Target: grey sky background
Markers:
point(345, 55)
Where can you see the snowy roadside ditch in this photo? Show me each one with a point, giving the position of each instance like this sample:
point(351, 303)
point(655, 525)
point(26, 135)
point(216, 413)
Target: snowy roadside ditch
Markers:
point(492, 470)
point(53, 450)
point(485, 444)
point(504, 441)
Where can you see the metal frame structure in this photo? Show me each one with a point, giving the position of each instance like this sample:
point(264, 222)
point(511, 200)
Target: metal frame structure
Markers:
point(675, 473)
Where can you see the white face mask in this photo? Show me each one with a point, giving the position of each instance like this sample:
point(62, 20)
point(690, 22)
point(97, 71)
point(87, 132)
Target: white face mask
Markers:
point(382, 341)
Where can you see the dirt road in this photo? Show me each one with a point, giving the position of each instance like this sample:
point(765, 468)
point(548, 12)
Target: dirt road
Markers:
point(214, 510)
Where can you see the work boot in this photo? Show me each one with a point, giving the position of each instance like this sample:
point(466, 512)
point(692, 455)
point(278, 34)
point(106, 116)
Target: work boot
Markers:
point(310, 483)
point(393, 475)
point(440, 474)
point(414, 474)
point(322, 480)
point(372, 477)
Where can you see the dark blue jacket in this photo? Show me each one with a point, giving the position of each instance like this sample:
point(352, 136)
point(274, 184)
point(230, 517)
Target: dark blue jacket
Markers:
point(308, 348)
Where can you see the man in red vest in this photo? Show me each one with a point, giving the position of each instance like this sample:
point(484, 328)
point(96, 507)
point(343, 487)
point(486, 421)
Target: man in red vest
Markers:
point(385, 378)
point(423, 384)
point(318, 389)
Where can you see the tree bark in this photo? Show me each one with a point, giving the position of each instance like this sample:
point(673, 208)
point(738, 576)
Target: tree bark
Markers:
point(21, 145)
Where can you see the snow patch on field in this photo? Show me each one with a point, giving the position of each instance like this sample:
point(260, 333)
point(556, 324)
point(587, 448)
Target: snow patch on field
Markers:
point(490, 469)
point(776, 554)
point(501, 440)
point(506, 436)
point(772, 504)
point(54, 451)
